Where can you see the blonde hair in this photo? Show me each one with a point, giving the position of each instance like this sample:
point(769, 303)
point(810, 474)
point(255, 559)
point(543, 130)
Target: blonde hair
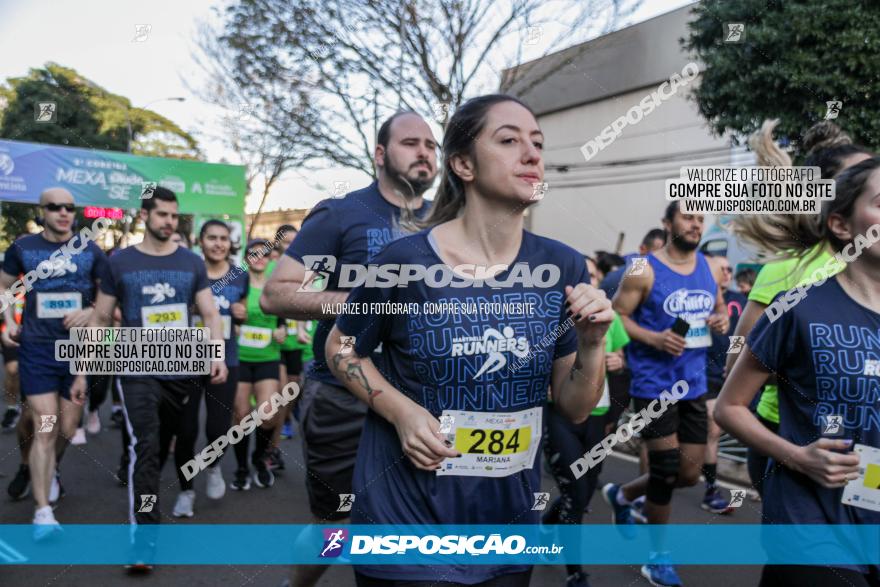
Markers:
point(776, 236)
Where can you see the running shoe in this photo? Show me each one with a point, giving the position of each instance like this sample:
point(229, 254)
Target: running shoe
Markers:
point(20, 486)
point(263, 476)
point(216, 486)
point(621, 514)
point(638, 510)
point(10, 418)
point(659, 572)
point(45, 523)
point(117, 419)
point(56, 490)
point(287, 430)
point(79, 437)
point(93, 424)
point(578, 579)
point(241, 481)
point(183, 507)
point(714, 503)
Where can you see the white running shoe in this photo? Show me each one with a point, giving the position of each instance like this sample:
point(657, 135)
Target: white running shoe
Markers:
point(79, 437)
point(45, 523)
point(183, 507)
point(93, 425)
point(216, 485)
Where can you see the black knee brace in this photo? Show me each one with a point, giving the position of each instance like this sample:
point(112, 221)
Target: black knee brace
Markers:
point(663, 466)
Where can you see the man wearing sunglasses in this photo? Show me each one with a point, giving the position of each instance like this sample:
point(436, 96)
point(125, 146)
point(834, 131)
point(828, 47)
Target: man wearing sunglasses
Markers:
point(58, 300)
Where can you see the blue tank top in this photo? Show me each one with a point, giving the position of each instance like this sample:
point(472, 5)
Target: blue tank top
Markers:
point(690, 297)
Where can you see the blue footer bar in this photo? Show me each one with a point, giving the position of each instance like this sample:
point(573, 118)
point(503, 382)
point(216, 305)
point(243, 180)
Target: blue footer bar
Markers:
point(246, 544)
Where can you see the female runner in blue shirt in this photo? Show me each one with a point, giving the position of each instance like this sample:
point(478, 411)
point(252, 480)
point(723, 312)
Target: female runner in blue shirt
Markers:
point(824, 350)
point(497, 353)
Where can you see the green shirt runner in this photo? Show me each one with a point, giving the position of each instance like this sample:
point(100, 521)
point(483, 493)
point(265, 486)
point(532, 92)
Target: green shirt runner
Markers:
point(292, 344)
point(255, 341)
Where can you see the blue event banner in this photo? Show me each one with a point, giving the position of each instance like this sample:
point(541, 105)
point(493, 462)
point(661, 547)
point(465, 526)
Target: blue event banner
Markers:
point(244, 544)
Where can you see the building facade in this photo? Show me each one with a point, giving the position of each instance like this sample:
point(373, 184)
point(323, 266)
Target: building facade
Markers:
point(609, 201)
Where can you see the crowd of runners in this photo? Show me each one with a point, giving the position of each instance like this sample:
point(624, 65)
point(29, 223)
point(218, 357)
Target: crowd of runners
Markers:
point(383, 395)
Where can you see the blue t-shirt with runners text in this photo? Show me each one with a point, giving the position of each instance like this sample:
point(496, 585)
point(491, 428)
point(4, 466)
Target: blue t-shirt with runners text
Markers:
point(497, 359)
point(826, 364)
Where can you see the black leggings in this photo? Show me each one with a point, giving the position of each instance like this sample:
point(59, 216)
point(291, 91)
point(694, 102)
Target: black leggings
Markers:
point(756, 462)
point(814, 576)
point(219, 401)
point(564, 443)
point(98, 385)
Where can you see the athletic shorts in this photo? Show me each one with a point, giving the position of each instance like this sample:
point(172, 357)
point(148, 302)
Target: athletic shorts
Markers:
point(253, 372)
point(331, 420)
point(687, 418)
point(293, 360)
point(713, 388)
point(10, 353)
point(39, 372)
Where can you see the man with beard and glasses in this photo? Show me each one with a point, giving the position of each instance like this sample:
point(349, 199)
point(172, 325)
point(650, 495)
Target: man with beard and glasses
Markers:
point(155, 283)
point(348, 230)
point(675, 288)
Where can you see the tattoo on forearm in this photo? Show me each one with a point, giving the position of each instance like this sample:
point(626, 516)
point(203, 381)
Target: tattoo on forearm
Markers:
point(354, 372)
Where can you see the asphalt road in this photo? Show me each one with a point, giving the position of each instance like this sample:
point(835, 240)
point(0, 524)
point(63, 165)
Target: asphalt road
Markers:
point(93, 496)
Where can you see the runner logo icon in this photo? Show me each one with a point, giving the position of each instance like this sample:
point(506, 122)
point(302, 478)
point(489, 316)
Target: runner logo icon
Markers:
point(147, 503)
point(736, 344)
point(347, 343)
point(541, 500)
point(346, 500)
point(833, 109)
point(637, 267)
point(737, 496)
point(159, 291)
point(447, 421)
point(221, 302)
point(148, 188)
point(493, 343)
point(340, 188)
point(735, 32)
point(334, 540)
point(318, 270)
point(45, 112)
point(832, 425)
point(47, 423)
point(538, 191)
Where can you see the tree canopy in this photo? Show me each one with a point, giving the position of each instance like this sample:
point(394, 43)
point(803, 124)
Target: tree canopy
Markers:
point(87, 116)
point(792, 58)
